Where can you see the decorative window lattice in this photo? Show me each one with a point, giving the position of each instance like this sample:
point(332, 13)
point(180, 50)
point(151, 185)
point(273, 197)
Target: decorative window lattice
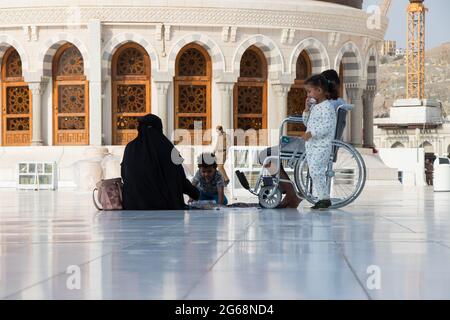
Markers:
point(303, 67)
point(71, 63)
point(18, 124)
point(71, 99)
point(127, 123)
point(192, 99)
point(250, 100)
point(250, 123)
point(17, 100)
point(14, 65)
point(71, 123)
point(192, 63)
point(190, 122)
point(251, 65)
point(131, 62)
point(296, 105)
point(131, 99)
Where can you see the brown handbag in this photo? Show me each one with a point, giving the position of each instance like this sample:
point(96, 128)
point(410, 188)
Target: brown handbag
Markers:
point(109, 194)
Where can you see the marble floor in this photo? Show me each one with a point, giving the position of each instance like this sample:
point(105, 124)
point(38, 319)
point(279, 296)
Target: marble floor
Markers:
point(392, 243)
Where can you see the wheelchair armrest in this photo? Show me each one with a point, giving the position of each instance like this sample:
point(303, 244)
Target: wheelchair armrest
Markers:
point(295, 119)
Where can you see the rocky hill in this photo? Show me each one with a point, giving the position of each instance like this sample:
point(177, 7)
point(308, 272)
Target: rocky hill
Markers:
point(392, 79)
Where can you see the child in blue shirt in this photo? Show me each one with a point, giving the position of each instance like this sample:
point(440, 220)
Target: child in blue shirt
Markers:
point(209, 180)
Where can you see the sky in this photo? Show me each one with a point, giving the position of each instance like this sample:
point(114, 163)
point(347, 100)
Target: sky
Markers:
point(437, 22)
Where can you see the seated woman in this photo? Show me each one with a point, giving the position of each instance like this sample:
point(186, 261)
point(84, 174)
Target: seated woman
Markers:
point(291, 199)
point(152, 173)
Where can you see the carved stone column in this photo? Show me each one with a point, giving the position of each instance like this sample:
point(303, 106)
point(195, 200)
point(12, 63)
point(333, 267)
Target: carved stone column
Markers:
point(354, 94)
point(368, 100)
point(37, 89)
point(163, 88)
point(226, 92)
point(278, 112)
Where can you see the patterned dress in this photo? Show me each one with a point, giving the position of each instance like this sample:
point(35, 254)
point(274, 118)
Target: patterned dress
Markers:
point(321, 123)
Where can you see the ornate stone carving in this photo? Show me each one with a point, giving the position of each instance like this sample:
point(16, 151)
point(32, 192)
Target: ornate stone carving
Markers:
point(333, 39)
point(287, 36)
point(355, 24)
point(233, 32)
point(225, 34)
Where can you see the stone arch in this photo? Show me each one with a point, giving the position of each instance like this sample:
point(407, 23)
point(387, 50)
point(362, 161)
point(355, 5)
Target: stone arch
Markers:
point(272, 53)
point(116, 42)
point(350, 56)
point(398, 145)
point(317, 53)
point(214, 51)
point(371, 68)
point(52, 45)
point(427, 146)
point(7, 41)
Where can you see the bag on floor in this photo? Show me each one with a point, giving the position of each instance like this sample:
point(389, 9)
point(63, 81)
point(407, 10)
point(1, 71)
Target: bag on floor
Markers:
point(109, 194)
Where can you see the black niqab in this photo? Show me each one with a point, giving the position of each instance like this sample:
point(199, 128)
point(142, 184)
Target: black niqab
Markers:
point(152, 181)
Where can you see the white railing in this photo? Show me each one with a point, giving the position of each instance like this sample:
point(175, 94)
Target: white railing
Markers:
point(244, 159)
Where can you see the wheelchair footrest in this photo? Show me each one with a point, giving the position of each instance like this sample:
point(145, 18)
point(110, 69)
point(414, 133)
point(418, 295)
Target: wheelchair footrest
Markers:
point(243, 180)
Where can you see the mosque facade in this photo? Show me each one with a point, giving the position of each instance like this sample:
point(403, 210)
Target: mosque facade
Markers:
point(80, 73)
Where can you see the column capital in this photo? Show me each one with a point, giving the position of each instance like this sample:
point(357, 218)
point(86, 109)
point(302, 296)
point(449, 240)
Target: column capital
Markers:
point(282, 89)
point(162, 87)
point(226, 87)
point(354, 92)
point(37, 87)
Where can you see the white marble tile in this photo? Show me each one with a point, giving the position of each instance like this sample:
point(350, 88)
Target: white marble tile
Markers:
point(228, 253)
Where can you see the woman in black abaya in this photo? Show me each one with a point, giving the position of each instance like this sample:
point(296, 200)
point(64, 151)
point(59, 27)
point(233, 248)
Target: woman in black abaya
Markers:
point(152, 180)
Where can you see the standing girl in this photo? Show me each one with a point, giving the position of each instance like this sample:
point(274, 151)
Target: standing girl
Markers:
point(320, 120)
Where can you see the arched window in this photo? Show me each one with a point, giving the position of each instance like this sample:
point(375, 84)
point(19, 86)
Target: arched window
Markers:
point(428, 147)
point(131, 91)
point(250, 95)
point(70, 98)
point(16, 102)
point(397, 145)
point(193, 92)
point(297, 94)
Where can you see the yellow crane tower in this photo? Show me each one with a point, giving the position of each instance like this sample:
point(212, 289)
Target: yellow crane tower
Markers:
point(415, 51)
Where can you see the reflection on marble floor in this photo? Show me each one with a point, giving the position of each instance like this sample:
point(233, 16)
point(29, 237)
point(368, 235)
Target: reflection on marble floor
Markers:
point(52, 243)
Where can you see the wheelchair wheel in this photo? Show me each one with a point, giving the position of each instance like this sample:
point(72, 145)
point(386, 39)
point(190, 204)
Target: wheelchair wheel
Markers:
point(346, 176)
point(272, 202)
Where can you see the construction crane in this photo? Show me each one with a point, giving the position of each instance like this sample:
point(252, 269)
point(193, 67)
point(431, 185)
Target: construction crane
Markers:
point(415, 51)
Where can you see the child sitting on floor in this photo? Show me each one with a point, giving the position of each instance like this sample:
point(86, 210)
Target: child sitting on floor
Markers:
point(209, 180)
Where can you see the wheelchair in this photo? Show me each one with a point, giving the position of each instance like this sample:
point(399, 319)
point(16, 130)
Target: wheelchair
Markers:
point(346, 172)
